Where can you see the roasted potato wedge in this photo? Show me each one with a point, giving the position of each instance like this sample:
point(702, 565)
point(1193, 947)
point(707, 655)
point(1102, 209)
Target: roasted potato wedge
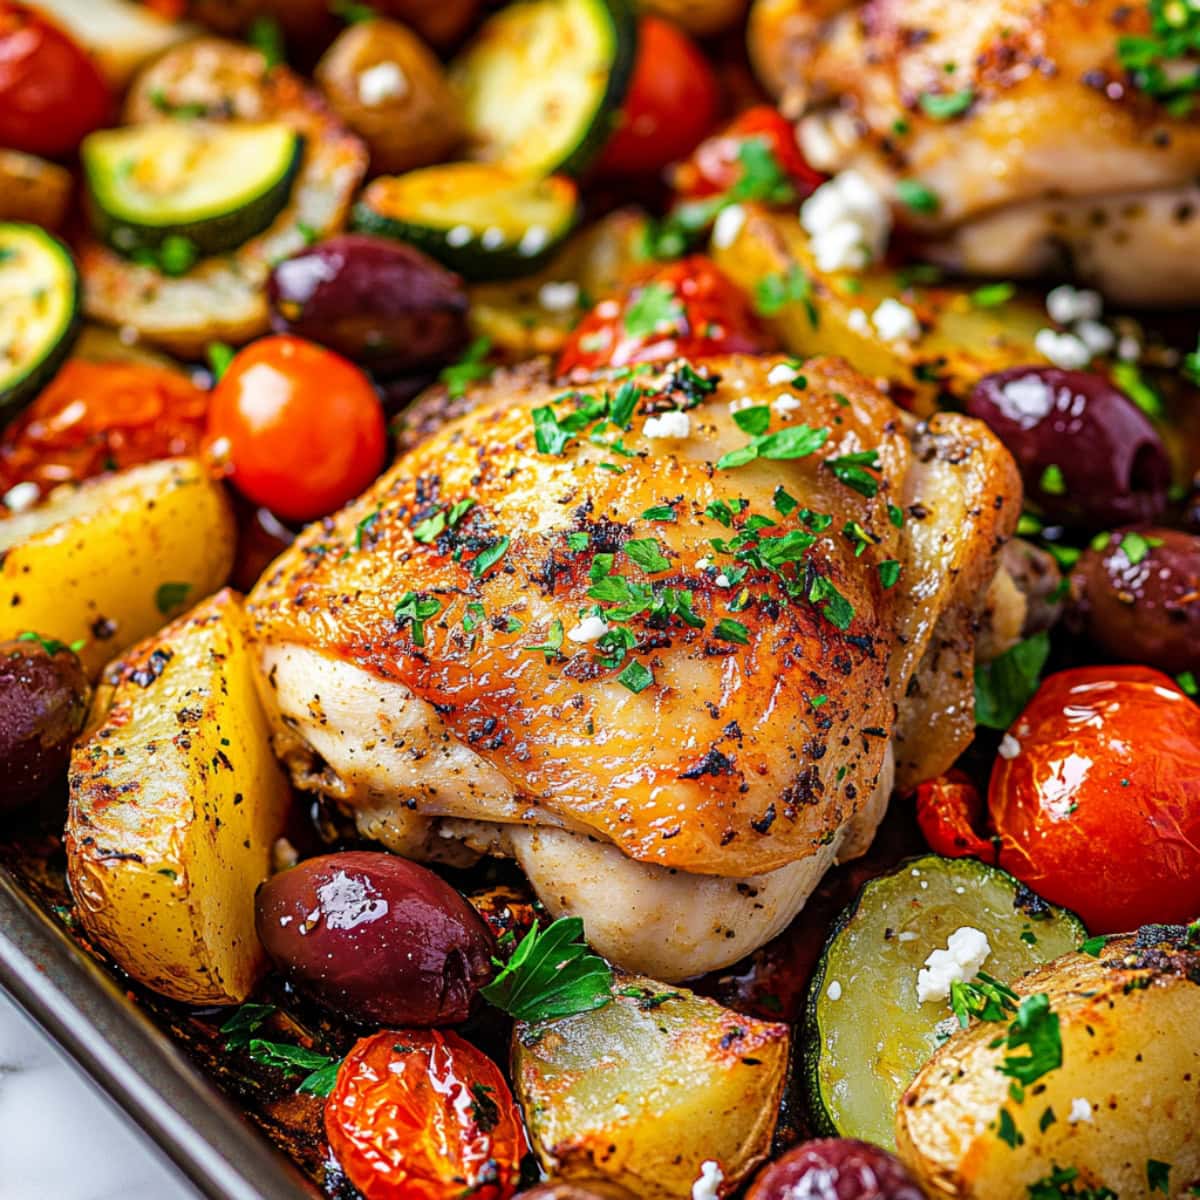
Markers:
point(962, 340)
point(643, 1091)
point(108, 561)
point(176, 802)
point(1126, 1095)
point(224, 298)
point(33, 190)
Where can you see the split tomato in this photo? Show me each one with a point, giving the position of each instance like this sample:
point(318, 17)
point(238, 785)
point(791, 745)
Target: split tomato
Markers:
point(949, 812)
point(423, 1115)
point(687, 309)
point(1096, 797)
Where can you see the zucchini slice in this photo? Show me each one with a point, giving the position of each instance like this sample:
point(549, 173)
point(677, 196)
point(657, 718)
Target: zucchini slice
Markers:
point(866, 1033)
point(543, 80)
point(215, 184)
point(39, 312)
point(482, 221)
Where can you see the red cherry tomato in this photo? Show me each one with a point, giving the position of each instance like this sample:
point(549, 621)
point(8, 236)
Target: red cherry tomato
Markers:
point(1098, 803)
point(95, 417)
point(423, 1115)
point(949, 811)
point(688, 308)
point(297, 428)
point(716, 164)
point(671, 105)
point(51, 93)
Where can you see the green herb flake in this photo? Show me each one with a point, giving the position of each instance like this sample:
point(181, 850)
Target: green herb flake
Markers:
point(219, 356)
point(1036, 1029)
point(578, 541)
point(653, 309)
point(889, 572)
point(636, 677)
point(1129, 378)
point(1005, 685)
point(552, 646)
point(170, 597)
point(993, 295)
point(266, 36)
point(913, 194)
point(646, 554)
point(1158, 1176)
point(1052, 482)
point(945, 106)
point(729, 630)
point(489, 556)
point(469, 369)
point(1008, 1132)
point(753, 421)
point(774, 292)
point(1135, 546)
point(660, 512)
point(854, 470)
point(414, 609)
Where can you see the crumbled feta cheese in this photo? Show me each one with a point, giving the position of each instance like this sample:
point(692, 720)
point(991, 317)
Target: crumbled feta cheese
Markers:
point(848, 221)
point(559, 297)
point(907, 936)
point(709, 1180)
point(896, 322)
point(1129, 349)
point(533, 241)
point(858, 321)
point(383, 81)
point(1009, 746)
point(741, 402)
point(1081, 1110)
point(1026, 400)
point(22, 496)
point(966, 951)
point(674, 424)
point(588, 630)
point(722, 580)
point(817, 143)
point(728, 225)
point(702, 564)
point(1066, 304)
point(458, 235)
point(784, 404)
point(1062, 349)
point(781, 373)
point(493, 238)
point(834, 990)
point(1097, 337)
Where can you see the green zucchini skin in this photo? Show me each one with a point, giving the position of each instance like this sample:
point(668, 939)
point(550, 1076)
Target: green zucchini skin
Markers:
point(1057, 930)
point(20, 385)
point(215, 233)
point(572, 152)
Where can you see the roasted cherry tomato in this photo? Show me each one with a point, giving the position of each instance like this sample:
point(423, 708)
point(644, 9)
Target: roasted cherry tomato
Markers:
point(51, 93)
point(298, 428)
point(949, 811)
point(1096, 797)
point(671, 105)
point(688, 308)
point(96, 417)
point(718, 163)
point(423, 1115)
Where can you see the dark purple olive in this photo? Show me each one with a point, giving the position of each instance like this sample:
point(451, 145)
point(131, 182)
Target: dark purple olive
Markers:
point(376, 938)
point(1137, 596)
point(43, 704)
point(382, 303)
point(1087, 454)
point(836, 1169)
point(576, 1191)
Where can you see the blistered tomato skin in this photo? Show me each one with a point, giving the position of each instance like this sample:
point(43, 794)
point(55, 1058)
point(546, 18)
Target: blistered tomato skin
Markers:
point(423, 1115)
point(1137, 597)
point(379, 302)
point(43, 704)
point(1096, 797)
point(1088, 455)
point(689, 309)
point(376, 938)
point(949, 811)
point(835, 1169)
point(52, 94)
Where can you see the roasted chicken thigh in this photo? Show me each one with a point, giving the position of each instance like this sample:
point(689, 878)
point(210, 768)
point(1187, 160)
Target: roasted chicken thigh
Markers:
point(1037, 142)
point(658, 637)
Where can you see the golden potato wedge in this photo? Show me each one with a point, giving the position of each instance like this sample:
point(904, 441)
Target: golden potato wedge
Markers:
point(176, 802)
point(108, 561)
point(1126, 1096)
point(389, 87)
point(962, 339)
point(33, 190)
point(643, 1091)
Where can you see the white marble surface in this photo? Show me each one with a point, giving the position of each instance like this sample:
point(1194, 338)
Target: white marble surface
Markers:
point(60, 1138)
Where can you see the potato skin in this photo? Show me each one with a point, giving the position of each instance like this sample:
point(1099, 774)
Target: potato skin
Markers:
point(1127, 1021)
point(90, 562)
point(420, 125)
point(176, 803)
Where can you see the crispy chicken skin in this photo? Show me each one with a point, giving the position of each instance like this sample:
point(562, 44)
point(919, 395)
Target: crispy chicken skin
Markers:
point(1054, 158)
point(739, 760)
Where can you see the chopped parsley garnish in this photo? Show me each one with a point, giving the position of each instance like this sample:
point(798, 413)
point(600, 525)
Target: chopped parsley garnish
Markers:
point(1060, 1185)
point(852, 470)
point(724, 511)
point(484, 1110)
point(624, 402)
point(984, 998)
point(913, 194)
point(794, 441)
point(636, 677)
point(1052, 481)
point(753, 421)
point(1135, 546)
point(578, 541)
point(266, 36)
point(945, 106)
point(51, 646)
point(783, 503)
point(896, 515)
point(729, 630)
point(1046, 1119)
point(1008, 1132)
point(1187, 683)
point(219, 356)
point(1158, 1176)
point(772, 293)
point(414, 609)
point(551, 974)
point(1158, 63)
point(1191, 365)
point(992, 295)
point(1036, 1029)
point(244, 1023)
point(660, 512)
point(552, 646)
point(473, 617)
point(550, 436)
point(321, 1069)
point(647, 555)
point(1005, 685)
point(836, 609)
point(1094, 946)
point(431, 528)
point(654, 308)
point(489, 556)
point(469, 369)
point(889, 572)
point(170, 597)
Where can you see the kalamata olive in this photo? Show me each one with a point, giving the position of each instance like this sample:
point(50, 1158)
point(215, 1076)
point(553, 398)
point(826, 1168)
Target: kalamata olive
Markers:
point(43, 704)
point(381, 303)
point(1137, 596)
point(835, 1169)
point(576, 1191)
point(376, 938)
point(1087, 454)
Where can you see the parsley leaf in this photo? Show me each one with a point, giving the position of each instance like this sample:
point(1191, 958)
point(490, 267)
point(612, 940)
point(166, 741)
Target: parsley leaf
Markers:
point(647, 555)
point(415, 608)
point(754, 421)
point(913, 194)
point(1008, 1132)
point(469, 369)
point(984, 998)
point(889, 572)
point(1094, 946)
point(636, 677)
point(652, 309)
point(219, 356)
point(550, 436)
point(1005, 685)
point(660, 512)
point(851, 469)
point(551, 974)
point(729, 630)
point(1158, 1176)
point(945, 106)
point(322, 1070)
point(489, 556)
point(266, 36)
point(1035, 1028)
point(992, 295)
point(244, 1023)
point(171, 597)
point(774, 292)
point(552, 646)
